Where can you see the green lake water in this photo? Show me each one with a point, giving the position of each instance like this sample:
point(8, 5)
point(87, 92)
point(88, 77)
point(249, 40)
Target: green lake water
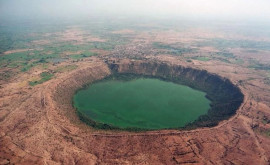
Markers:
point(144, 103)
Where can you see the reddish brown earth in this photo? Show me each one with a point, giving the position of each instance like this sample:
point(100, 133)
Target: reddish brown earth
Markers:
point(38, 125)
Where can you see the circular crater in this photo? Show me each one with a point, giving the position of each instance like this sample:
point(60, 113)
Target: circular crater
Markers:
point(101, 104)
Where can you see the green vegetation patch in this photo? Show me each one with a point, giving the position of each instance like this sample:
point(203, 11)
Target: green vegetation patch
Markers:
point(45, 76)
point(25, 60)
point(239, 61)
point(172, 49)
point(258, 66)
point(263, 131)
point(201, 58)
point(225, 43)
point(226, 54)
point(105, 45)
point(66, 68)
point(28, 66)
point(83, 55)
point(222, 60)
point(7, 74)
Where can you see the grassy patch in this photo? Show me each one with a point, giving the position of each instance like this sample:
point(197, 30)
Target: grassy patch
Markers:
point(266, 81)
point(82, 55)
point(44, 76)
point(225, 43)
point(45, 66)
point(66, 68)
point(25, 60)
point(239, 61)
point(258, 66)
point(201, 58)
point(27, 67)
point(226, 54)
point(6, 75)
point(264, 132)
point(104, 45)
point(264, 121)
point(174, 50)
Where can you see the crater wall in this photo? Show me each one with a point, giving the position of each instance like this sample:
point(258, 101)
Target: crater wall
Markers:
point(225, 96)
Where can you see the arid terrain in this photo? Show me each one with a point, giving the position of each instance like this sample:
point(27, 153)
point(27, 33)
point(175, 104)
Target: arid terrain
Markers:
point(38, 124)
